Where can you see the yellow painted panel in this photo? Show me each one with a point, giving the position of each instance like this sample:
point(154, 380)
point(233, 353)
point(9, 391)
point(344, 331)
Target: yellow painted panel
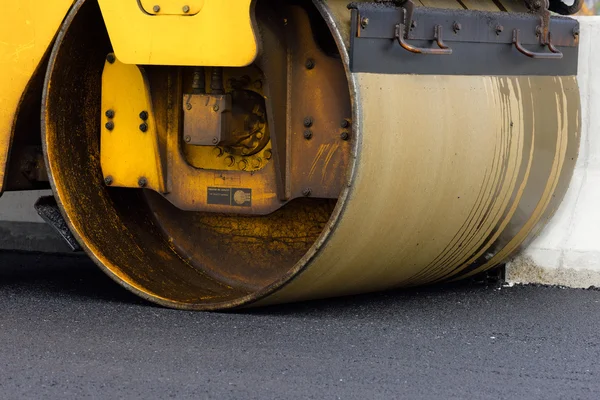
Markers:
point(27, 27)
point(128, 154)
point(220, 35)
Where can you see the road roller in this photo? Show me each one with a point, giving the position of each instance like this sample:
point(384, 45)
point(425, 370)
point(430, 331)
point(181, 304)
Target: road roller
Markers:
point(219, 154)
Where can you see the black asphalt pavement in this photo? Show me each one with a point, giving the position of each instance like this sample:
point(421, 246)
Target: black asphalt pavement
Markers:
point(69, 332)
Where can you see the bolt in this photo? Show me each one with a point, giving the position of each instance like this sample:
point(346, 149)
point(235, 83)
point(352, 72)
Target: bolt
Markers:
point(188, 106)
point(229, 161)
point(188, 138)
point(456, 26)
point(110, 114)
point(144, 127)
point(186, 9)
point(144, 115)
point(156, 8)
point(310, 63)
point(307, 192)
point(142, 182)
point(499, 29)
point(576, 32)
point(364, 21)
point(215, 140)
point(538, 30)
point(108, 180)
point(308, 134)
point(345, 136)
point(537, 4)
point(111, 58)
point(243, 165)
point(258, 85)
point(268, 154)
point(216, 108)
point(308, 122)
point(110, 125)
point(259, 135)
point(218, 151)
point(345, 124)
point(256, 162)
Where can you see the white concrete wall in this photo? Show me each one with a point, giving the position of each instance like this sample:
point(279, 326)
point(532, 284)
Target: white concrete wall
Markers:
point(568, 250)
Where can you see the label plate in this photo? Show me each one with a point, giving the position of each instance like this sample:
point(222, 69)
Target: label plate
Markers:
point(235, 197)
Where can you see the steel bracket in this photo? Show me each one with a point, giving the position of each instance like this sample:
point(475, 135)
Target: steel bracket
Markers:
point(401, 39)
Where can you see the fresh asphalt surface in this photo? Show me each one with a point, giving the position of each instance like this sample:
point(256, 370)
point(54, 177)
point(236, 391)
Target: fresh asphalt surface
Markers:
point(68, 332)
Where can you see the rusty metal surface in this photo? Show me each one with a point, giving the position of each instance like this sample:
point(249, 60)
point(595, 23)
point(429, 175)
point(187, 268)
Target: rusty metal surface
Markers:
point(276, 66)
point(460, 25)
point(176, 258)
point(235, 121)
point(245, 84)
point(187, 186)
point(248, 251)
point(114, 226)
point(552, 54)
point(269, 137)
point(471, 42)
point(248, 133)
point(309, 111)
point(207, 119)
point(319, 92)
point(317, 121)
point(430, 198)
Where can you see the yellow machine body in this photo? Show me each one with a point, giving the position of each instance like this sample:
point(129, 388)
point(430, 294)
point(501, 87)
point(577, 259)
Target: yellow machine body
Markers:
point(214, 32)
point(27, 29)
point(129, 153)
point(139, 35)
point(340, 182)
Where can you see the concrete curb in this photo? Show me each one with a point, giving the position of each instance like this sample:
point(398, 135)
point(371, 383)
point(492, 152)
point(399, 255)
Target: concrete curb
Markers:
point(567, 252)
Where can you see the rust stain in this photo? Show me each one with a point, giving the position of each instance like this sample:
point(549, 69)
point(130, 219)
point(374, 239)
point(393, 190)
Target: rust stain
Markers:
point(324, 169)
point(322, 149)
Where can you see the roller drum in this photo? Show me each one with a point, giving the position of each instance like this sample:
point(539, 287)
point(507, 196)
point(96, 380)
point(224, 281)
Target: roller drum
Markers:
point(448, 177)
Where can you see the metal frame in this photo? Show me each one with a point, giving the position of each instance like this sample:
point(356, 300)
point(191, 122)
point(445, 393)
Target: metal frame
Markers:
point(474, 42)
